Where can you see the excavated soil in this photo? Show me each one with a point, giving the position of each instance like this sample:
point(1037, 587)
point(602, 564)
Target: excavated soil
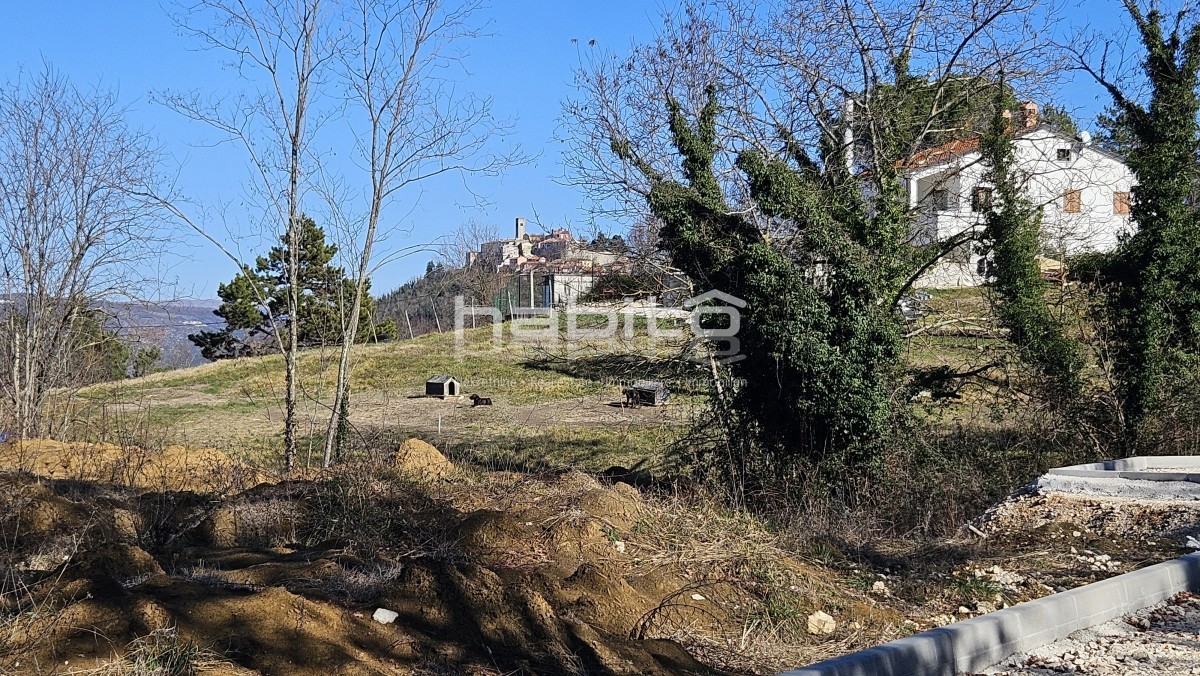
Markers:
point(175, 468)
point(121, 558)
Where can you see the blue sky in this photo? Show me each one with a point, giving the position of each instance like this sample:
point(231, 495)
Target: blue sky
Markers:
point(525, 64)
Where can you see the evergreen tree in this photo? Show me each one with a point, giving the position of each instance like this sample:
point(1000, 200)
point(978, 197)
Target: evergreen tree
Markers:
point(911, 114)
point(1012, 238)
point(254, 303)
point(1154, 279)
point(820, 350)
point(1058, 118)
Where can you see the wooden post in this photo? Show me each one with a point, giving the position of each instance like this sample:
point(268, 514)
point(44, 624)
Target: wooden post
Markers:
point(407, 321)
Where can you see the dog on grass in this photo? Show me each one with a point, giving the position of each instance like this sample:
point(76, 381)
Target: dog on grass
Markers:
point(477, 400)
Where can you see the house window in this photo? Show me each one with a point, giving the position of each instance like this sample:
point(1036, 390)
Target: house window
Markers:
point(940, 199)
point(1121, 203)
point(1064, 155)
point(981, 199)
point(1073, 201)
point(959, 255)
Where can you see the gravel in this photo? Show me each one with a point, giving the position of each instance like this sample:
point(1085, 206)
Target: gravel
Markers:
point(1116, 487)
point(1160, 640)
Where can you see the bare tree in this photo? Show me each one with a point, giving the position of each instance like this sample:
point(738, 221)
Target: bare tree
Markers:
point(416, 126)
point(478, 277)
point(74, 230)
point(282, 49)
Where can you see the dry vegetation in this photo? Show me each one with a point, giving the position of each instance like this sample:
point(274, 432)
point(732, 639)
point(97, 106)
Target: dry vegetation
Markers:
point(185, 561)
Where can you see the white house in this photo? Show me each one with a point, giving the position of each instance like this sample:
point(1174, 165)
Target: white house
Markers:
point(1083, 191)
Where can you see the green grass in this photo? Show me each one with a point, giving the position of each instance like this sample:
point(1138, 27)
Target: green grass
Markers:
point(236, 405)
point(553, 400)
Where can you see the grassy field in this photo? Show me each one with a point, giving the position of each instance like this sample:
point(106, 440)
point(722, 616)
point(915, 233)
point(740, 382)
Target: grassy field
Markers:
point(554, 404)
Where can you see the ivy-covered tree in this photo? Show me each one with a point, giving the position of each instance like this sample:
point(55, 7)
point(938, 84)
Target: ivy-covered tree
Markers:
point(1012, 234)
point(254, 304)
point(1154, 278)
point(820, 352)
point(777, 175)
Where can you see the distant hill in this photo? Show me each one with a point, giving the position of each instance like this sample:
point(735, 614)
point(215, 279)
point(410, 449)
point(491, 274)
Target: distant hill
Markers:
point(166, 324)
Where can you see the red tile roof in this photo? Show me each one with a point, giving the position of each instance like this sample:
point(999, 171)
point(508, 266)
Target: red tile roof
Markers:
point(940, 154)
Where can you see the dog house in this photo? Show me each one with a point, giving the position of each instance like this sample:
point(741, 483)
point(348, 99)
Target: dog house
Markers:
point(648, 393)
point(442, 386)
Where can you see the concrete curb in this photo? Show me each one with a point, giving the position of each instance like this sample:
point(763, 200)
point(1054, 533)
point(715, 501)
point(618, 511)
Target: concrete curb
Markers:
point(1131, 468)
point(975, 644)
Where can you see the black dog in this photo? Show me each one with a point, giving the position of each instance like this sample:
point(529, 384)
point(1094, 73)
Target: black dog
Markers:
point(477, 400)
point(632, 400)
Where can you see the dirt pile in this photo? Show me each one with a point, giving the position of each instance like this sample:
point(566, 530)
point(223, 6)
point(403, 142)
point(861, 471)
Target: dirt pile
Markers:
point(499, 573)
point(147, 558)
point(421, 460)
point(174, 468)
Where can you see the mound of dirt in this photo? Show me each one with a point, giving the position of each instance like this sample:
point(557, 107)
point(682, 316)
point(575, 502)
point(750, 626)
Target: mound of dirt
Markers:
point(421, 460)
point(489, 573)
point(175, 468)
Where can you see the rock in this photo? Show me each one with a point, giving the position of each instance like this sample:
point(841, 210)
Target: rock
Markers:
point(697, 597)
point(385, 616)
point(821, 623)
point(421, 460)
point(942, 620)
point(880, 588)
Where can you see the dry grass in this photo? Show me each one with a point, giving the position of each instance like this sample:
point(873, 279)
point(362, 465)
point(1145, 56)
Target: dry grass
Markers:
point(164, 653)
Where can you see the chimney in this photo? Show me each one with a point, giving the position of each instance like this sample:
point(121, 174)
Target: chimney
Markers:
point(1029, 115)
point(520, 228)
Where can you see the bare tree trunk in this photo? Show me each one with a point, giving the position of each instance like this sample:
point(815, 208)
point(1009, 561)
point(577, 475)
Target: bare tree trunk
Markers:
point(60, 254)
point(416, 130)
point(284, 40)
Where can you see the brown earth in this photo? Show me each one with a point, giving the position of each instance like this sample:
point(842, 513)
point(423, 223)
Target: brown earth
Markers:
point(125, 562)
point(121, 560)
point(175, 468)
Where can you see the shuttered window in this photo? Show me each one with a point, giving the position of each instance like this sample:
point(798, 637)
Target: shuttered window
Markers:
point(1121, 203)
point(1073, 201)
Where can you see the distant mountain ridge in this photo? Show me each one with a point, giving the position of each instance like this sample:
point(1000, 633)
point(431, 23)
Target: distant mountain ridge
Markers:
point(166, 325)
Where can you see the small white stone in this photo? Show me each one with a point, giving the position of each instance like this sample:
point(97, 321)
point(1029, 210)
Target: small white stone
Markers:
point(385, 616)
point(698, 597)
point(821, 623)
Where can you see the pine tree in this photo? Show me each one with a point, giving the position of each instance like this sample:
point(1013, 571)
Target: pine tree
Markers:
point(254, 303)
